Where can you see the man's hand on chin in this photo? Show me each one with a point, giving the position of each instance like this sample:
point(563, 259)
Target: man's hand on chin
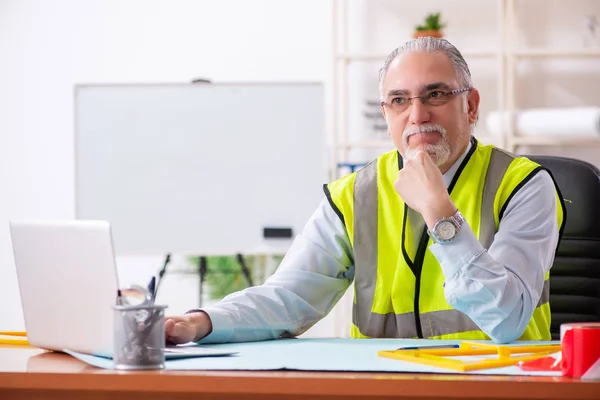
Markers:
point(421, 185)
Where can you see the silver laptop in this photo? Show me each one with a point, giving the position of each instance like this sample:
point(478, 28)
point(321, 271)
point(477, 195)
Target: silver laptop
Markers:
point(67, 277)
point(68, 283)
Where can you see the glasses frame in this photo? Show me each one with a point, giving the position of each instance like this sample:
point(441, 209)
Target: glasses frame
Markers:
point(424, 98)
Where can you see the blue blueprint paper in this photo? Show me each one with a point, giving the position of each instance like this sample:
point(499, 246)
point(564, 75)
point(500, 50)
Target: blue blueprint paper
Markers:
point(317, 355)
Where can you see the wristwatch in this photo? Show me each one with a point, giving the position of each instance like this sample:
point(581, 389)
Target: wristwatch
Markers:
point(446, 229)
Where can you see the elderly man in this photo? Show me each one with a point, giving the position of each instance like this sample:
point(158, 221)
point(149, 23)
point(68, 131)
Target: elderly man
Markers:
point(445, 238)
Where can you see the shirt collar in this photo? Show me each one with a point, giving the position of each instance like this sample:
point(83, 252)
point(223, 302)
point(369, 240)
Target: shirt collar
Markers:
point(449, 175)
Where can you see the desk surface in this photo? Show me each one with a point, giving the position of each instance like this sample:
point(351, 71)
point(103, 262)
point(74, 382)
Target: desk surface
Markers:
point(28, 373)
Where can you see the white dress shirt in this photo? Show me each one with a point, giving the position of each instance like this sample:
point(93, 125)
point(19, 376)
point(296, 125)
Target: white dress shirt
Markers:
point(498, 289)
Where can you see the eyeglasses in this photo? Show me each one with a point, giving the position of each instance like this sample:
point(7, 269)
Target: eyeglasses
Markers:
point(433, 98)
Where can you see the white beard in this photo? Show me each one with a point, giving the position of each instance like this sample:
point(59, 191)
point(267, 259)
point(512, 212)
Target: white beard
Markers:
point(439, 152)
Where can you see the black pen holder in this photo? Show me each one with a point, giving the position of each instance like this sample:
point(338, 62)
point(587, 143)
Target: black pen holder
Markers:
point(139, 341)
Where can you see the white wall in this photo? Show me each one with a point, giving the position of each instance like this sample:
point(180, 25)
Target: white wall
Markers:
point(48, 46)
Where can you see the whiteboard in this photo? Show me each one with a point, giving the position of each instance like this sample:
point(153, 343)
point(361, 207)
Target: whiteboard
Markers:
point(199, 168)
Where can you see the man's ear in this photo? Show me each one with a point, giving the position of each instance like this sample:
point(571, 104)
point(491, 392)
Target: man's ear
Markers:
point(473, 105)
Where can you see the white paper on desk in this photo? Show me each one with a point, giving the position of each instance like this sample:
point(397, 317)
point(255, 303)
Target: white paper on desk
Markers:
point(171, 353)
point(550, 122)
point(179, 352)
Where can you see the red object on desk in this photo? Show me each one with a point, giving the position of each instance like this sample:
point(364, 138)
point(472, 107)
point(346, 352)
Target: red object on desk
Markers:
point(548, 363)
point(581, 350)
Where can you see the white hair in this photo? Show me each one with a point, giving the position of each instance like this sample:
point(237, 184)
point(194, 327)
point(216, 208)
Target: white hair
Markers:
point(430, 44)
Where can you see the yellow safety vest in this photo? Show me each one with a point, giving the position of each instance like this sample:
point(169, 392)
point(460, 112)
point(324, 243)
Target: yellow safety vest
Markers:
point(398, 284)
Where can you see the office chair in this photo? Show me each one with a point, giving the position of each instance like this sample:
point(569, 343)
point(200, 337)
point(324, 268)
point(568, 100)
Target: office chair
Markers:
point(575, 274)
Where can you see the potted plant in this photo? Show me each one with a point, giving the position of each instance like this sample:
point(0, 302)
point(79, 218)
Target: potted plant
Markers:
point(431, 27)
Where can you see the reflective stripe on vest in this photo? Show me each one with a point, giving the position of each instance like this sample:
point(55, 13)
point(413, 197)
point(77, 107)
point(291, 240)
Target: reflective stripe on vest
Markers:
point(434, 323)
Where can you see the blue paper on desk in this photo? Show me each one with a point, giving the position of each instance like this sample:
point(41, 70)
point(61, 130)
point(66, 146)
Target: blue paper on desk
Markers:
point(317, 355)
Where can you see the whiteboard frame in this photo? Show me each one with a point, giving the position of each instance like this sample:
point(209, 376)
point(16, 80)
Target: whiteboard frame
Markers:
point(277, 246)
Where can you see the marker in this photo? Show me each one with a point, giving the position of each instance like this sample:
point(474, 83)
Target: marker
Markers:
point(152, 289)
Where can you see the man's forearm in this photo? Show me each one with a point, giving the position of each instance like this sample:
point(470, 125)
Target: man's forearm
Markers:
point(500, 288)
point(308, 283)
point(483, 288)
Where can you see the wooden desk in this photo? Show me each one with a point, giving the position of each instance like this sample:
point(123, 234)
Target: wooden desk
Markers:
point(28, 373)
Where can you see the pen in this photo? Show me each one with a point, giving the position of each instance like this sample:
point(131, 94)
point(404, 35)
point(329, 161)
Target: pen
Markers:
point(440, 346)
point(152, 288)
point(15, 342)
point(22, 342)
point(13, 333)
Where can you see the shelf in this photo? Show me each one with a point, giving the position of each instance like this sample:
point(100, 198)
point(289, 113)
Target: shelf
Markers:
point(518, 140)
point(533, 53)
point(388, 144)
point(381, 57)
point(555, 141)
point(527, 53)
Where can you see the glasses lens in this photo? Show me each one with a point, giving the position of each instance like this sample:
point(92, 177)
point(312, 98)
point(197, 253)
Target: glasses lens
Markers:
point(399, 106)
point(437, 98)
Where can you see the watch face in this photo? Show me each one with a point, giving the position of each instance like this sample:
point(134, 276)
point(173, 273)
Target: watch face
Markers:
point(445, 230)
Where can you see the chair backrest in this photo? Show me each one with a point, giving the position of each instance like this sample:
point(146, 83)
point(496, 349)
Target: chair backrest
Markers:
point(575, 275)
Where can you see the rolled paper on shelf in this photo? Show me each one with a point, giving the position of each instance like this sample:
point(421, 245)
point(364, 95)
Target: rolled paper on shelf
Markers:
point(549, 122)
